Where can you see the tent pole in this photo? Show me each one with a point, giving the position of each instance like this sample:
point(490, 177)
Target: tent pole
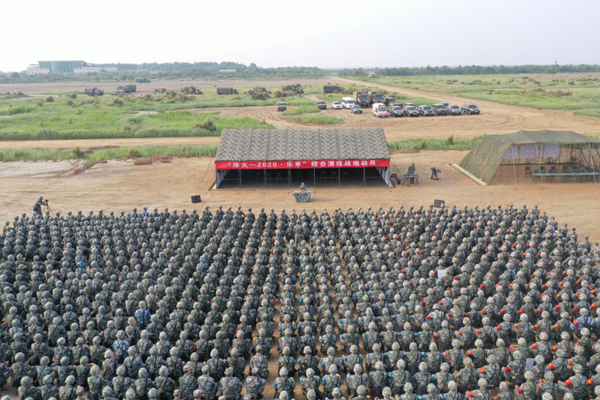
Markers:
point(594, 169)
point(515, 169)
point(339, 178)
point(315, 177)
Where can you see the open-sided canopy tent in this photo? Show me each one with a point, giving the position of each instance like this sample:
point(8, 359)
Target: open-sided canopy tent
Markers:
point(300, 149)
point(531, 147)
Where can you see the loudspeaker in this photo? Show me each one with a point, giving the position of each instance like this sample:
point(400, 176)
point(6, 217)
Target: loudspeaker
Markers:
point(196, 199)
point(439, 203)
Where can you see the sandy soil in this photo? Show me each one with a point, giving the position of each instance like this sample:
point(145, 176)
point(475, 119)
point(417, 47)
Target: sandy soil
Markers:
point(121, 186)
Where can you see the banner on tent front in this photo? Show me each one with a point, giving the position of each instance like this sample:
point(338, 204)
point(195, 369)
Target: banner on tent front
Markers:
point(301, 164)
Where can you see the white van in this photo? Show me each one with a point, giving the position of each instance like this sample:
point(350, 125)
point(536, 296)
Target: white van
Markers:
point(347, 102)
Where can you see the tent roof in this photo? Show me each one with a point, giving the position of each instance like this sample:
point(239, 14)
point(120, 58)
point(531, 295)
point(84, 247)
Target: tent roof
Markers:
point(484, 159)
point(543, 137)
point(302, 144)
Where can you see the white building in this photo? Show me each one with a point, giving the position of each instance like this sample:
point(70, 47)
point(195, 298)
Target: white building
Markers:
point(92, 69)
point(35, 69)
point(372, 74)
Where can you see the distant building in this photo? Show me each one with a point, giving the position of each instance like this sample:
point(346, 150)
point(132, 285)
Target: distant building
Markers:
point(228, 71)
point(35, 69)
point(372, 74)
point(93, 69)
point(65, 67)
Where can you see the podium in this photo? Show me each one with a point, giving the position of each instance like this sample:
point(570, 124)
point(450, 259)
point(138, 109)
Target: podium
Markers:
point(302, 196)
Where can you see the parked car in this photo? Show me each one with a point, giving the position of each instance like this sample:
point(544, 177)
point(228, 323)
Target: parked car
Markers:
point(281, 106)
point(380, 110)
point(444, 104)
point(336, 105)
point(426, 111)
point(347, 102)
point(470, 109)
point(397, 111)
point(453, 109)
point(356, 109)
point(411, 111)
point(322, 105)
point(440, 109)
point(410, 105)
point(389, 100)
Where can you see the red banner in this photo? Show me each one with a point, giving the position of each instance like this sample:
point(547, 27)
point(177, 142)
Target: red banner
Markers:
point(301, 164)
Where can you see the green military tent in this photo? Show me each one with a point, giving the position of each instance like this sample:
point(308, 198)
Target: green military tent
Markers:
point(531, 148)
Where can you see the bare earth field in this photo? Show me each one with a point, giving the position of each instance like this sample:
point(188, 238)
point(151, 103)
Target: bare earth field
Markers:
point(121, 186)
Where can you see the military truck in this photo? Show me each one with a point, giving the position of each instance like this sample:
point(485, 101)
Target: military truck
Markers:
point(94, 92)
point(293, 88)
point(362, 98)
point(160, 90)
point(227, 90)
point(142, 80)
point(376, 97)
point(321, 104)
point(126, 89)
point(281, 106)
point(332, 89)
point(191, 90)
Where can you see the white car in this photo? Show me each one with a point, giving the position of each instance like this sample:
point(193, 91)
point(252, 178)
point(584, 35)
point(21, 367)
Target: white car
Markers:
point(336, 105)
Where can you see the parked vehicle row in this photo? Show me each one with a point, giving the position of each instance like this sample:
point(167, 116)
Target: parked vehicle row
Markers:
point(389, 108)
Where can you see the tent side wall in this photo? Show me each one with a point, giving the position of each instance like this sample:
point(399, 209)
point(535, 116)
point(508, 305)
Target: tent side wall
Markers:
point(484, 159)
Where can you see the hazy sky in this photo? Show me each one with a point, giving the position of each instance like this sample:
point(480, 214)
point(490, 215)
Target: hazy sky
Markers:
point(325, 33)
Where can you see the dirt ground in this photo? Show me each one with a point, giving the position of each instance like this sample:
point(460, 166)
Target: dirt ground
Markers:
point(121, 186)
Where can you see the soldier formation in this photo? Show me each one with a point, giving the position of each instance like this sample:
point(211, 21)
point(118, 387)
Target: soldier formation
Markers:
point(402, 304)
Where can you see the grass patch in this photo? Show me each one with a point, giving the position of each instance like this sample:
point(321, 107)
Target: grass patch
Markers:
point(302, 110)
point(579, 93)
point(318, 119)
point(121, 153)
point(450, 143)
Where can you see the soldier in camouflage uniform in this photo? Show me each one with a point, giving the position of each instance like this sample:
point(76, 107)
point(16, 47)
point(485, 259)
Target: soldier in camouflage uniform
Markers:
point(377, 380)
point(421, 379)
point(207, 384)
point(68, 391)
point(331, 381)
point(361, 393)
point(547, 385)
point(95, 383)
point(432, 393)
point(482, 393)
point(528, 390)
point(491, 371)
point(310, 382)
point(49, 389)
point(187, 383)
point(287, 361)
point(358, 378)
point(28, 390)
point(307, 361)
point(230, 386)
point(452, 393)
point(255, 385)
point(408, 392)
point(576, 384)
point(216, 365)
point(351, 360)
point(107, 394)
point(260, 362)
point(164, 384)
point(283, 383)
point(330, 360)
point(443, 377)
point(513, 372)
